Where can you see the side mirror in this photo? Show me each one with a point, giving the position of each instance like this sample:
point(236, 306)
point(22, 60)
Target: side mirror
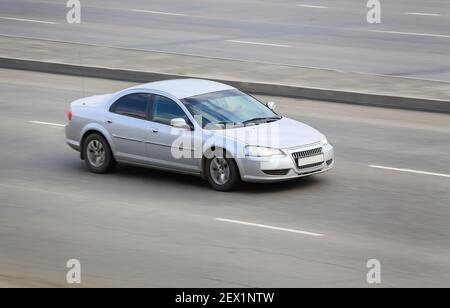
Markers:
point(271, 105)
point(179, 123)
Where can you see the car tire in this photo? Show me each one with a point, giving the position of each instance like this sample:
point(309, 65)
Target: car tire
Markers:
point(97, 154)
point(222, 173)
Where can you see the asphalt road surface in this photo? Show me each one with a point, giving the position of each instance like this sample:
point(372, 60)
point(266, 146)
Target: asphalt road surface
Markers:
point(140, 227)
point(412, 40)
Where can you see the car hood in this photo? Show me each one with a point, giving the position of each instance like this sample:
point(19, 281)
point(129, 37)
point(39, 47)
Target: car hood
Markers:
point(282, 134)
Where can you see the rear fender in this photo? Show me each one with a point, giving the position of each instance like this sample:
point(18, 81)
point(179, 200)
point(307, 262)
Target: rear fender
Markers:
point(95, 127)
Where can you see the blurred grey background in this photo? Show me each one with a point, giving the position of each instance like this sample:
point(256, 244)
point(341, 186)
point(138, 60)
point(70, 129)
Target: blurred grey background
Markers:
point(146, 228)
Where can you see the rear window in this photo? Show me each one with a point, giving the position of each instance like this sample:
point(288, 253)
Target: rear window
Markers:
point(132, 105)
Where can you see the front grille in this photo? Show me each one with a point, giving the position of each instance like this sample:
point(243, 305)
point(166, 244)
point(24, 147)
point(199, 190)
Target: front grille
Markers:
point(307, 153)
point(276, 172)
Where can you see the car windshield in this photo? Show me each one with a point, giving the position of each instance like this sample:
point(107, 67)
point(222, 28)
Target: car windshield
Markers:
point(228, 108)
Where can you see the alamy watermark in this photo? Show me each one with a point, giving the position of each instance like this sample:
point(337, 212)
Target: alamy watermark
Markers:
point(374, 14)
point(192, 143)
point(374, 274)
point(73, 275)
point(74, 14)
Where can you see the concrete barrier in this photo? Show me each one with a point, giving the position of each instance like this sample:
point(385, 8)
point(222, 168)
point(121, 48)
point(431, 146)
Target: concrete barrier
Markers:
point(367, 99)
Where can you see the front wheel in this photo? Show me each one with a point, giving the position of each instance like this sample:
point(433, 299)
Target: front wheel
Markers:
point(97, 154)
point(222, 173)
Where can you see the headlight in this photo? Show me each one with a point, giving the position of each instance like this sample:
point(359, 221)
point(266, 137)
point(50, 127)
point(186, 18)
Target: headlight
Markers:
point(324, 140)
point(255, 151)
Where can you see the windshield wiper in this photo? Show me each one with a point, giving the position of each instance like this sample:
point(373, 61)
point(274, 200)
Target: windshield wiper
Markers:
point(225, 124)
point(266, 119)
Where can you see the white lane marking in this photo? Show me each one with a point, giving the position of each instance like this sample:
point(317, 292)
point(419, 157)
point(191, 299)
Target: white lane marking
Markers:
point(48, 123)
point(423, 14)
point(157, 12)
point(411, 33)
point(258, 43)
point(313, 6)
point(411, 171)
point(29, 20)
point(268, 227)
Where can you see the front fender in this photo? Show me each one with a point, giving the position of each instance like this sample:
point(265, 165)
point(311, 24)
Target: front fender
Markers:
point(233, 148)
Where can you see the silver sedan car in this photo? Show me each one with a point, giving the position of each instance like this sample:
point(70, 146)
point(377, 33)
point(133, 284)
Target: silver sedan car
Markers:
point(198, 127)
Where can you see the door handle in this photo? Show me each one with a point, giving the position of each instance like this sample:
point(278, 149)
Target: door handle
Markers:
point(154, 130)
point(109, 121)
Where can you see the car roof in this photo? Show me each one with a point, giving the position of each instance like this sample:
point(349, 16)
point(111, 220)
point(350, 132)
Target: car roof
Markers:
point(182, 88)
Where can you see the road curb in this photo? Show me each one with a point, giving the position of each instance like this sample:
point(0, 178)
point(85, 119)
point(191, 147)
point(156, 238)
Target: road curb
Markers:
point(367, 99)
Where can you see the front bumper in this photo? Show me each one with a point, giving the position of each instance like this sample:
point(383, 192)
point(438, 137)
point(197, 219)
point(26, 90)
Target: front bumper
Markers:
point(267, 169)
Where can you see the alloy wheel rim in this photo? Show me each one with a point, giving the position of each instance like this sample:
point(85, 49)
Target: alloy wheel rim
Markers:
point(96, 153)
point(219, 170)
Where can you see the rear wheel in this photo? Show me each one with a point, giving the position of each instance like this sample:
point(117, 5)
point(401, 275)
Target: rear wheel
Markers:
point(222, 173)
point(97, 154)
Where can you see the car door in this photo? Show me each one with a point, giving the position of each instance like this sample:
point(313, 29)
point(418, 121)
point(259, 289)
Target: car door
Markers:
point(127, 123)
point(169, 146)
